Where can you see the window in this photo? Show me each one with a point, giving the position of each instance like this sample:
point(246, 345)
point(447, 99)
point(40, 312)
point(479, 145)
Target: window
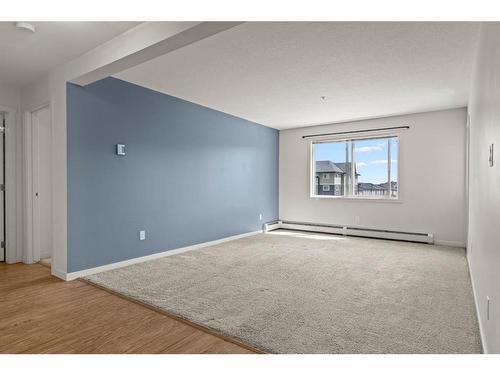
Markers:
point(360, 167)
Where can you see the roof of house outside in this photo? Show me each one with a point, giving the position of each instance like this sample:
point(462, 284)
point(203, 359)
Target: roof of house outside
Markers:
point(344, 166)
point(325, 166)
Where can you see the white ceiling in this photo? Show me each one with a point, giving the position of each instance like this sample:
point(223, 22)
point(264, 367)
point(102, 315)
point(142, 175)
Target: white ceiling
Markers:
point(275, 73)
point(25, 56)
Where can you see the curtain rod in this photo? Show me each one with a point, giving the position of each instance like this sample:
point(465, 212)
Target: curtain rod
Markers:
point(355, 131)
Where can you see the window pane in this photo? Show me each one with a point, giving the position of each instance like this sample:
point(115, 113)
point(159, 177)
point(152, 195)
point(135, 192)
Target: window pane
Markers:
point(371, 167)
point(375, 161)
point(331, 168)
point(394, 166)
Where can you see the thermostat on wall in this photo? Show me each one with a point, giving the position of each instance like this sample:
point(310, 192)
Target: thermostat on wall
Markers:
point(120, 149)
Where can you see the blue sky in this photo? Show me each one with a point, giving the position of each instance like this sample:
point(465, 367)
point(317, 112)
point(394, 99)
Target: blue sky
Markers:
point(370, 157)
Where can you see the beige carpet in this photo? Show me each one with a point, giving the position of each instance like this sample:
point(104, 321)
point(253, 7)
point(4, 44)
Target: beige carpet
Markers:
point(291, 292)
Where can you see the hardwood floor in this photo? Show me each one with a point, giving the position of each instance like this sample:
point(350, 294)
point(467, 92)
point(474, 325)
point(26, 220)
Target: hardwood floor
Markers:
point(42, 314)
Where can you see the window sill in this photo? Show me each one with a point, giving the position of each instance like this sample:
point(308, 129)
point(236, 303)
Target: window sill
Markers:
point(358, 199)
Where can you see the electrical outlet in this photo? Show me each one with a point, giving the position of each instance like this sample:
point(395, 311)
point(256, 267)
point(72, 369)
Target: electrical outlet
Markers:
point(142, 235)
point(260, 217)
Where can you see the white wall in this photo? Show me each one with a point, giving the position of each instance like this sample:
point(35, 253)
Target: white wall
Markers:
point(432, 178)
point(484, 199)
point(9, 96)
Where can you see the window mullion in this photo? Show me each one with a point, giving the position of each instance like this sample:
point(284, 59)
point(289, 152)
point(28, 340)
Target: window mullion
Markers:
point(389, 167)
point(346, 179)
point(353, 174)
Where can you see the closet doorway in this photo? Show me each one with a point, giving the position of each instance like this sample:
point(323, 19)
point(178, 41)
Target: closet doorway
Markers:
point(39, 176)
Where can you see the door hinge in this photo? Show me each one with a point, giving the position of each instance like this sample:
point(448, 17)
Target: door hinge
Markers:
point(2, 187)
point(2, 245)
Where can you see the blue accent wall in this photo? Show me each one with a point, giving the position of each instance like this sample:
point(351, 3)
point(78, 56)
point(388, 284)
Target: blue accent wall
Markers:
point(190, 175)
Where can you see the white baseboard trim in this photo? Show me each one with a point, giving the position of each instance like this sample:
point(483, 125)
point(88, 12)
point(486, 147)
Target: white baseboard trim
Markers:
point(57, 273)
point(90, 271)
point(481, 330)
point(450, 243)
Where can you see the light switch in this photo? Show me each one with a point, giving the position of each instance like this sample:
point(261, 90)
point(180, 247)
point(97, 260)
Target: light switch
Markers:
point(120, 149)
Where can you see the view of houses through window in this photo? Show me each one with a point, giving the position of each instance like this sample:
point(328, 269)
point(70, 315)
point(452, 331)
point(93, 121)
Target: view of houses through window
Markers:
point(372, 163)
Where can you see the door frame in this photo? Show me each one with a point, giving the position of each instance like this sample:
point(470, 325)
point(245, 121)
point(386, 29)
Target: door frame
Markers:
point(31, 250)
point(11, 186)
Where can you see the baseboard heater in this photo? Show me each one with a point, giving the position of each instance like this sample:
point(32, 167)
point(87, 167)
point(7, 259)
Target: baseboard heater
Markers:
point(346, 230)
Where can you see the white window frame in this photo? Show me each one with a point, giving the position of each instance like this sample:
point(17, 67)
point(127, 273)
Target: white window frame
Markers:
point(354, 137)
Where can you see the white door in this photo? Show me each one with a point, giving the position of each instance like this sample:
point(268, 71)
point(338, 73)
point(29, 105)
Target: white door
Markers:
point(2, 187)
point(42, 183)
